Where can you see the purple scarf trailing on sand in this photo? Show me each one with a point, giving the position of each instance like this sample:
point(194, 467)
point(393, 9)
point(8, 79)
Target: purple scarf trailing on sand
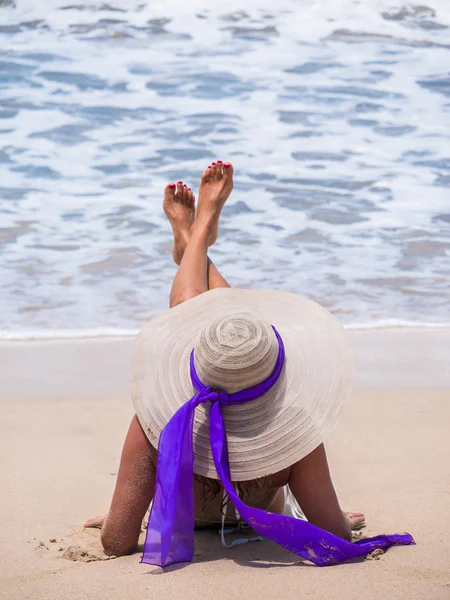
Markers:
point(170, 531)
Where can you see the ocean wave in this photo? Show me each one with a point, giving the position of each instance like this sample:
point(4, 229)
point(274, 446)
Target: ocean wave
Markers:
point(335, 115)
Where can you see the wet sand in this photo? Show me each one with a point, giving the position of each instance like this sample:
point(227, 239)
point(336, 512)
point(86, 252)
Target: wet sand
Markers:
point(64, 411)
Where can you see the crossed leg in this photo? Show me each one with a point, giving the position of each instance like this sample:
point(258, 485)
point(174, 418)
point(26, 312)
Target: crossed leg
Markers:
point(193, 236)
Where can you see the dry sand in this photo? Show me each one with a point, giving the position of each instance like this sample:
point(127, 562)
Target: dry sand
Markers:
point(64, 412)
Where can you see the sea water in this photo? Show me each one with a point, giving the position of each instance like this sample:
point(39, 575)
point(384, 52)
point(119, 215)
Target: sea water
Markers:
point(335, 113)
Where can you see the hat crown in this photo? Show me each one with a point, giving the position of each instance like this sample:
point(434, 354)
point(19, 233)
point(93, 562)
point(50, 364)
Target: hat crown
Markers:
point(235, 351)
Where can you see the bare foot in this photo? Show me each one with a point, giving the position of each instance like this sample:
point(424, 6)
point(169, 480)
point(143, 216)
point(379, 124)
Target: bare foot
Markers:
point(215, 187)
point(356, 520)
point(179, 206)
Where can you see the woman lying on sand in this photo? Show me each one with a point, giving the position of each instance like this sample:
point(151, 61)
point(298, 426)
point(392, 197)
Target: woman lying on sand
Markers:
point(222, 452)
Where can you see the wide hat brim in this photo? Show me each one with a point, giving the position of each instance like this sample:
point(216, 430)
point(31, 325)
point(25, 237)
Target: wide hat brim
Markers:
point(279, 428)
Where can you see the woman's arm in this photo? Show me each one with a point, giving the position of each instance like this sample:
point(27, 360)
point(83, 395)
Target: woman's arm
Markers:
point(311, 484)
point(132, 495)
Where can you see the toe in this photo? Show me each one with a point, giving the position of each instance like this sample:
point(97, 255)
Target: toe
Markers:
point(228, 171)
point(206, 175)
point(169, 191)
point(185, 194)
point(179, 191)
point(218, 170)
point(214, 170)
point(191, 197)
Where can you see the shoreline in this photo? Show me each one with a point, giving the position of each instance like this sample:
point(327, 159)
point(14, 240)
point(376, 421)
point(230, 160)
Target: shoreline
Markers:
point(100, 367)
point(114, 334)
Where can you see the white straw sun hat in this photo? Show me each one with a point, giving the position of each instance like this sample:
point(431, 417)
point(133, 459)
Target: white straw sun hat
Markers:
point(236, 348)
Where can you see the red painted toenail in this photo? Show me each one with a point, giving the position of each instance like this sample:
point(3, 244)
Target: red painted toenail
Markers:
point(209, 167)
point(172, 185)
point(179, 182)
point(226, 165)
point(219, 162)
point(213, 163)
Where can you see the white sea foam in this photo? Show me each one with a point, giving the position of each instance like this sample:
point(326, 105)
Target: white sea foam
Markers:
point(336, 115)
point(65, 334)
point(396, 324)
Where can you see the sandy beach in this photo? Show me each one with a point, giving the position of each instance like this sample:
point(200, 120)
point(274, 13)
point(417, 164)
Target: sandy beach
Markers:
point(320, 130)
point(64, 411)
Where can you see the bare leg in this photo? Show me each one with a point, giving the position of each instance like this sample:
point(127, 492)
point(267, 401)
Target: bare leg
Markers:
point(197, 273)
point(215, 279)
point(192, 276)
point(179, 206)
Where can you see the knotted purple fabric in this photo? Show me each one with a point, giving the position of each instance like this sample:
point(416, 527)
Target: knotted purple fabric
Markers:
point(170, 531)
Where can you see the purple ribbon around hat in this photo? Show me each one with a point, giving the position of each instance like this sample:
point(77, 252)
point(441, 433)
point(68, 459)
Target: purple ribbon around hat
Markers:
point(170, 531)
